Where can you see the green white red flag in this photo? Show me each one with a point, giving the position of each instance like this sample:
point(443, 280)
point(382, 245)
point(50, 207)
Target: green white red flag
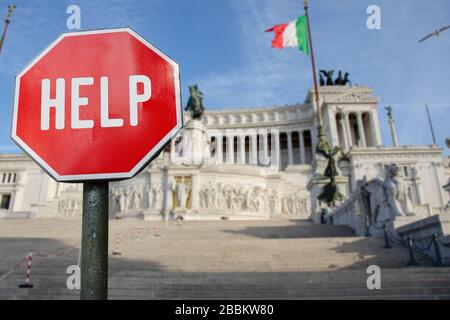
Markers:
point(292, 34)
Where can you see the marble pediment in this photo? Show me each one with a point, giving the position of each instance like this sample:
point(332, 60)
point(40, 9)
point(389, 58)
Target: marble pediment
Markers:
point(352, 97)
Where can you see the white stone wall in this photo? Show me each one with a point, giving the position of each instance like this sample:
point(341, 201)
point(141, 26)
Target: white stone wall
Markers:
point(424, 166)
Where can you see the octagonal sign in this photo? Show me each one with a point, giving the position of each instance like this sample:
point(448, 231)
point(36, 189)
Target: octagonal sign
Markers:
point(97, 105)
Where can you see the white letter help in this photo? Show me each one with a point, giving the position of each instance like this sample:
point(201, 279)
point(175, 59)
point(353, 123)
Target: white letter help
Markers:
point(77, 102)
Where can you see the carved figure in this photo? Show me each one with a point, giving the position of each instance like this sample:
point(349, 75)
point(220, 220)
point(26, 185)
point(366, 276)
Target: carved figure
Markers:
point(195, 103)
point(346, 79)
point(322, 80)
point(181, 192)
point(329, 77)
point(330, 194)
point(397, 193)
point(339, 81)
point(390, 113)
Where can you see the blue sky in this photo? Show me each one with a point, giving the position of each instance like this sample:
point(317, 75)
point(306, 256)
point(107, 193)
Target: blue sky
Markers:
point(221, 45)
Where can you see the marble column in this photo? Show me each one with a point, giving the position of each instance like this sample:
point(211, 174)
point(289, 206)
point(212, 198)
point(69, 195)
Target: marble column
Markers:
point(12, 201)
point(219, 149)
point(301, 139)
point(417, 185)
point(362, 135)
point(348, 129)
point(230, 149)
point(264, 148)
point(253, 159)
point(241, 154)
point(376, 127)
point(373, 132)
point(16, 199)
point(333, 129)
point(290, 150)
point(275, 154)
point(344, 132)
point(393, 133)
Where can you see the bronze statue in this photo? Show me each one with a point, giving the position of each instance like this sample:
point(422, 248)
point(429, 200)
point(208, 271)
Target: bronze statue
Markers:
point(331, 169)
point(322, 81)
point(339, 80)
point(390, 113)
point(195, 103)
point(329, 77)
point(330, 193)
point(346, 79)
point(326, 78)
point(323, 75)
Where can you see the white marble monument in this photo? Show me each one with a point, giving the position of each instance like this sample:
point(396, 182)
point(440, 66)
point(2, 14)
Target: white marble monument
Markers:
point(247, 164)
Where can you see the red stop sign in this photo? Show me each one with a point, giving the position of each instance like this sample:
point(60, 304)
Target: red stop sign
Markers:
point(97, 105)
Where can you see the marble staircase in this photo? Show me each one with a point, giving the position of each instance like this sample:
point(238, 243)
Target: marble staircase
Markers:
point(272, 259)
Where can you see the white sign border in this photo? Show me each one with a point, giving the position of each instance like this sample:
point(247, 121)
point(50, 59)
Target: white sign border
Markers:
point(107, 176)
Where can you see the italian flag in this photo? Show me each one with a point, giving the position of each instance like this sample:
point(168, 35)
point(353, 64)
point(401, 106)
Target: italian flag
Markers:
point(292, 34)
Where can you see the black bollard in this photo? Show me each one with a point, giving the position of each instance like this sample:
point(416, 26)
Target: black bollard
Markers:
point(412, 260)
point(437, 251)
point(386, 238)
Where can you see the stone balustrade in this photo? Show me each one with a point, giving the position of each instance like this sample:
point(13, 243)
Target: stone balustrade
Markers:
point(352, 213)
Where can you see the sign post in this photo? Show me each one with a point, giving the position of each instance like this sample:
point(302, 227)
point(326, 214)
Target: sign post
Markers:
point(94, 254)
point(96, 107)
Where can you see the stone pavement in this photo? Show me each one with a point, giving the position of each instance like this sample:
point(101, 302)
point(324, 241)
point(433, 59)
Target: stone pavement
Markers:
point(273, 259)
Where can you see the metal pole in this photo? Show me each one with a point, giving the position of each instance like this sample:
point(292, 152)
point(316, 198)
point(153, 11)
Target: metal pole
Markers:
point(5, 30)
point(431, 125)
point(322, 143)
point(94, 248)
point(11, 9)
point(313, 62)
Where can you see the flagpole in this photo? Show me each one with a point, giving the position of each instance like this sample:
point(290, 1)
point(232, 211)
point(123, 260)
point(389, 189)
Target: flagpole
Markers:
point(11, 8)
point(5, 30)
point(322, 143)
point(431, 124)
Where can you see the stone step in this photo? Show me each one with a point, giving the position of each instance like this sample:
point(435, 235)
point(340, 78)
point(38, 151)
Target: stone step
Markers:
point(332, 279)
point(207, 292)
point(215, 278)
point(339, 297)
point(143, 283)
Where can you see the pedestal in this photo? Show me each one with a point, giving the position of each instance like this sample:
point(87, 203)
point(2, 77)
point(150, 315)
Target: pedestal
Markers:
point(153, 215)
point(315, 188)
